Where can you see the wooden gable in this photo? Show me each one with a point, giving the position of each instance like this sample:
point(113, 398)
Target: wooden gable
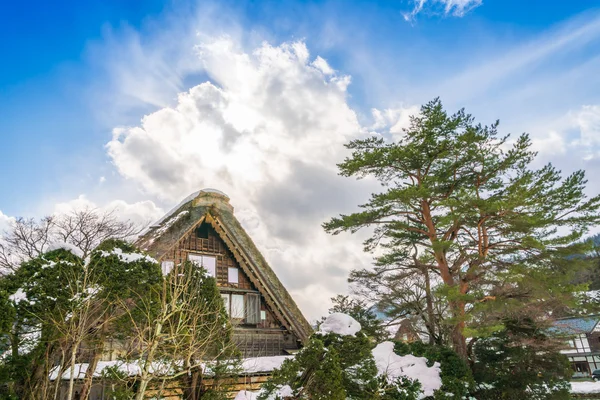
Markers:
point(204, 225)
point(203, 240)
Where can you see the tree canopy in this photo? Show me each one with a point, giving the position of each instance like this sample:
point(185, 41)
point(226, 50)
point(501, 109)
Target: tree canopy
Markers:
point(465, 215)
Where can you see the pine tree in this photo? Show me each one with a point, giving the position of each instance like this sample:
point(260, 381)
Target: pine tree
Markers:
point(463, 211)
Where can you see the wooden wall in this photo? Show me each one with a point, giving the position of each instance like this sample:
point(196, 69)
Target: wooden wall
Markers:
point(264, 339)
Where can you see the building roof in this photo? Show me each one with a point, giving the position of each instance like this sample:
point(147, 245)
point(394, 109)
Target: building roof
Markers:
point(212, 206)
point(575, 325)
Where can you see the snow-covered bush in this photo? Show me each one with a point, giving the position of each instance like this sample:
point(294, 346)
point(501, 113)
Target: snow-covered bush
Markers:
point(339, 363)
point(456, 377)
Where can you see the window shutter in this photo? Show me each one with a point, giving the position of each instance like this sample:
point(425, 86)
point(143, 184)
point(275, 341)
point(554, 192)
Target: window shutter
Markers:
point(252, 308)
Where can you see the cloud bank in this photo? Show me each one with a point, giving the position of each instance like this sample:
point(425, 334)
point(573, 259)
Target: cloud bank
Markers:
point(267, 129)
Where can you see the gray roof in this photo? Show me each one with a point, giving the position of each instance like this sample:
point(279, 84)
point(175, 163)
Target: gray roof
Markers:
point(575, 325)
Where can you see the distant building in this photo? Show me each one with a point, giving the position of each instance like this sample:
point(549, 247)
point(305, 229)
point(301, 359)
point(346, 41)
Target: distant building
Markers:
point(582, 339)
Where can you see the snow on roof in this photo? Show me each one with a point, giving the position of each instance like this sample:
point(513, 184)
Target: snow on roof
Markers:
point(394, 366)
point(250, 365)
point(262, 364)
point(76, 251)
point(177, 207)
point(340, 323)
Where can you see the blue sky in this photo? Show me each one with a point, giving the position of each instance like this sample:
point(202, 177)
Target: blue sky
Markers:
point(104, 103)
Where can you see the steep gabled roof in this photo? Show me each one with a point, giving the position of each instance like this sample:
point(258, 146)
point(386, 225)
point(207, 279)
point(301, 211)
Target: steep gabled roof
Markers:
point(212, 206)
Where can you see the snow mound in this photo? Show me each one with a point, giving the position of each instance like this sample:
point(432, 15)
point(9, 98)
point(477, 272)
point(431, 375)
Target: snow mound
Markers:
point(394, 366)
point(246, 395)
point(76, 251)
point(339, 323)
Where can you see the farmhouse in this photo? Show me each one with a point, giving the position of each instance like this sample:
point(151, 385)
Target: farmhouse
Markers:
point(203, 229)
point(268, 325)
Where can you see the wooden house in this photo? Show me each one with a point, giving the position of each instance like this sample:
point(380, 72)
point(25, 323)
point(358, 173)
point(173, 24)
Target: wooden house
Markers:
point(268, 325)
point(204, 230)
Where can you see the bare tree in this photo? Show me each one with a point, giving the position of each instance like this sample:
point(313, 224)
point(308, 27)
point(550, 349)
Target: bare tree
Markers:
point(84, 229)
point(183, 328)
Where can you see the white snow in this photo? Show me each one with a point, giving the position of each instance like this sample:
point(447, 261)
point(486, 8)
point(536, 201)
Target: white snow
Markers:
point(282, 392)
point(172, 211)
point(246, 395)
point(66, 246)
point(128, 257)
point(249, 366)
point(341, 324)
point(18, 296)
point(585, 387)
point(394, 366)
point(262, 364)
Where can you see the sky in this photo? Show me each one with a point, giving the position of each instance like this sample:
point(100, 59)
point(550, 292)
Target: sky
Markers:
point(130, 106)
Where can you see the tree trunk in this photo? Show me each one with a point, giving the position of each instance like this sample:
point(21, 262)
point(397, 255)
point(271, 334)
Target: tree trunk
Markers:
point(89, 374)
point(459, 342)
point(430, 314)
point(146, 374)
point(72, 371)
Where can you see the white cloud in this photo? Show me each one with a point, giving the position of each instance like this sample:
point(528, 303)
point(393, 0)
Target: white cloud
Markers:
point(549, 145)
point(5, 222)
point(242, 129)
point(457, 8)
point(393, 120)
point(267, 129)
point(141, 213)
point(587, 122)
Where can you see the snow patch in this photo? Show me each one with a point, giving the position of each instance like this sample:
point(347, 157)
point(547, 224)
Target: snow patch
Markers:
point(128, 257)
point(76, 251)
point(585, 387)
point(393, 366)
point(18, 296)
point(340, 323)
point(281, 393)
point(263, 364)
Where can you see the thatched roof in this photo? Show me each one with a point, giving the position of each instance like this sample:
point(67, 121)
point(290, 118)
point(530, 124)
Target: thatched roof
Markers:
point(212, 206)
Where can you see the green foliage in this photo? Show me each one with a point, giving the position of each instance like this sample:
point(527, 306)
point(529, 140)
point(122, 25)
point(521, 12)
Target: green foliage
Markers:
point(457, 380)
point(464, 216)
point(521, 361)
point(118, 384)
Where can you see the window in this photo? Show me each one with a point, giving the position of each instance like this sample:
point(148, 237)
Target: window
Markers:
point(252, 308)
point(237, 306)
point(207, 262)
point(263, 315)
point(166, 267)
point(225, 298)
point(233, 275)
